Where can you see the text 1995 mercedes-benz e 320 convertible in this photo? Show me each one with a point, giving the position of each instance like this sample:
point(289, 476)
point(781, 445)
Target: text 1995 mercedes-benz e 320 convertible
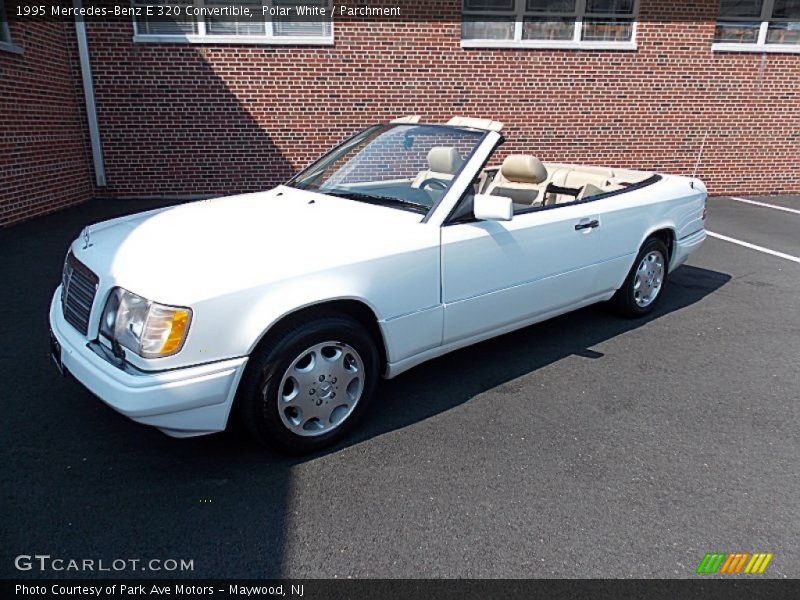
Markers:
point(403, 243)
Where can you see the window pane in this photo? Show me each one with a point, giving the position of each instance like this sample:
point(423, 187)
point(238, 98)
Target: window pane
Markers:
point(170, 19)
point(740, 8)
point(397, 155)
point(553, 6)
point(487, 28)
point(548, 29)
point(608, 30)
point(784, 33)
point(786, 9)
point(499, 5)
point(241, 25)
point(609, 7)
point(4, 34)
point(297, 26)
point(737, 32)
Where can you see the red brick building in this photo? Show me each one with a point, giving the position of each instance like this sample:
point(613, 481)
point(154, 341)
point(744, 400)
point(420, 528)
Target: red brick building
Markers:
point(204, 106)
point(44, 159)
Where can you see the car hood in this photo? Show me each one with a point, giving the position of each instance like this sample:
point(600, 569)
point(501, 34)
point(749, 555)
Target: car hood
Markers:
point(186, 253)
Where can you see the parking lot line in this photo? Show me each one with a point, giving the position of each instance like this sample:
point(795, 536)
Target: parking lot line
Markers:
point(753, 246)
point(764, 204)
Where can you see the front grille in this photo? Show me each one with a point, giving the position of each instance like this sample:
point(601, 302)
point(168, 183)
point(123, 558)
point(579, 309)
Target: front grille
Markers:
point(79, 286)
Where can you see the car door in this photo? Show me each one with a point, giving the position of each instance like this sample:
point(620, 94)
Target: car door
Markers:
point(498, 273)
point(624, 222)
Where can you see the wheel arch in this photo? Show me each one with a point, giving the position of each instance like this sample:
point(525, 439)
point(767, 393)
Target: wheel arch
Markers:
point(665, 233)
point(355, 308)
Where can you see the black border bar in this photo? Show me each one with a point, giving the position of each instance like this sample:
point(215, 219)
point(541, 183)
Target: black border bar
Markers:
point(731, 588)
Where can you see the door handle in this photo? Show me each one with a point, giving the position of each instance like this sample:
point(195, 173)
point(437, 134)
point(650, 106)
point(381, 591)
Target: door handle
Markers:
point(593, 224)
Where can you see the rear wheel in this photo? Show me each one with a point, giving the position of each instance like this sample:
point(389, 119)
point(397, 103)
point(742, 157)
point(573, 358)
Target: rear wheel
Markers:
point(309, 388)
point(646, 281)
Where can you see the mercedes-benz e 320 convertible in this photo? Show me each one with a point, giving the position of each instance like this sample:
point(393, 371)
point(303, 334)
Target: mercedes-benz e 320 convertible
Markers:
point(405, 242)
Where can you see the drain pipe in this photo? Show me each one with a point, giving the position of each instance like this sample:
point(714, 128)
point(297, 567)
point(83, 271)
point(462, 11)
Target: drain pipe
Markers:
point(88, 94)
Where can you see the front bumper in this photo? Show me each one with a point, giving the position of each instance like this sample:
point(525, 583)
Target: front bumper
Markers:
point(180, 402)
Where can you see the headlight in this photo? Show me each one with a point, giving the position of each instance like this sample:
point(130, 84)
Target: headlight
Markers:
point(147, 328)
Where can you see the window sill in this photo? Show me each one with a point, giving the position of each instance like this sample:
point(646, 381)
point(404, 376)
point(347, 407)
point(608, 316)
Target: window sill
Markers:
point(233, 39)
point(11, 48)
point(765, 48)
point(544, 45)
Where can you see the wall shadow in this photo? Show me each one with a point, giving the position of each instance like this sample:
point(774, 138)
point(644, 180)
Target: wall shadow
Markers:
point(173, 122)
point(83, 482)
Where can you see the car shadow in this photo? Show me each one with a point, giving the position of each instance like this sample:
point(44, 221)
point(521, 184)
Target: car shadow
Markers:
point(452, 380)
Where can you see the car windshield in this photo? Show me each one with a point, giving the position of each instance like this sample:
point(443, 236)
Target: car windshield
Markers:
point(408, 167)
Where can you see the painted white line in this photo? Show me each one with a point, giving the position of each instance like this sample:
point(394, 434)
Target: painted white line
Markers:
point(764, 204)
point(753, 246)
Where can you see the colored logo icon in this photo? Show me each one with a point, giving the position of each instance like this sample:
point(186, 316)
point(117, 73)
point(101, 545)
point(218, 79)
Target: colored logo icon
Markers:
point(734, 562)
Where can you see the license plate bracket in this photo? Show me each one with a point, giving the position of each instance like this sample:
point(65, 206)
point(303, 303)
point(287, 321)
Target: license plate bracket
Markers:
point(55, 353)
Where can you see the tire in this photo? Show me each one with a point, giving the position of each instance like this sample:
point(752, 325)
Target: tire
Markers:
point(294, 390)
point(649, 271)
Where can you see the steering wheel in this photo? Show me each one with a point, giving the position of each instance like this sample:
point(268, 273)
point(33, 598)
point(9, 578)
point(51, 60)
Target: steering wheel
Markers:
point(436, 185)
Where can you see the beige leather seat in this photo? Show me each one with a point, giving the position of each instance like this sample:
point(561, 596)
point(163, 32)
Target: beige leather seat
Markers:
point(578, 178)
point(590, 181)
point(523, 178)
point(443, 163)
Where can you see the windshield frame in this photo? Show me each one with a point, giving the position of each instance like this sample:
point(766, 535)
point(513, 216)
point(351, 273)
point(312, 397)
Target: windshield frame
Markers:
point(400, 204)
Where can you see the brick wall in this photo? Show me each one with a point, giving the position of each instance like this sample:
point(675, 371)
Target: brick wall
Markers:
point(181, 120)
point(44, 154)
point(186, 119)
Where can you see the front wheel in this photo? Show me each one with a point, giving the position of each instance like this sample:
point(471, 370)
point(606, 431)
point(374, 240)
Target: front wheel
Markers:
point(311, 387)
point(645, 283)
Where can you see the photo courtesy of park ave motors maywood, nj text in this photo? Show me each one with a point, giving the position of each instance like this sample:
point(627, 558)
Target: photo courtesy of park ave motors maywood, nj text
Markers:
point(360, 298)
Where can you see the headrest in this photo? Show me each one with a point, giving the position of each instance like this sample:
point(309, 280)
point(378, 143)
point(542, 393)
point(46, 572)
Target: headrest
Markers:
point(523, 168)
point(444, 159)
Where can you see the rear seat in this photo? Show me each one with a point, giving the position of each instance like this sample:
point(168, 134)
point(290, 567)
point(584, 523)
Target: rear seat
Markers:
point(591, 181)
point(523, 178)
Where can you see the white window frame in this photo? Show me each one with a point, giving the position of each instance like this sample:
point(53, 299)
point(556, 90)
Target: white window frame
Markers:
point(576, 43)
point(201, 37)
point(760, 45)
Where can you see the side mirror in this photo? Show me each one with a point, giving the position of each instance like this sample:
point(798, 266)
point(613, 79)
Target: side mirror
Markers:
point(492, 208)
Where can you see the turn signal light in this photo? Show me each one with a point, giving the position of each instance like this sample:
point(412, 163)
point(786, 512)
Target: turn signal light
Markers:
point(177, 332)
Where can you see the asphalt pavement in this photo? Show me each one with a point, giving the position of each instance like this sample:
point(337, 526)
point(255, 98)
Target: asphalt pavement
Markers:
point(586, 446)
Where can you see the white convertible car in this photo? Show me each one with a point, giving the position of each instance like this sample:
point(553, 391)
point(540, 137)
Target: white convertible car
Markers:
point(403, 243)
